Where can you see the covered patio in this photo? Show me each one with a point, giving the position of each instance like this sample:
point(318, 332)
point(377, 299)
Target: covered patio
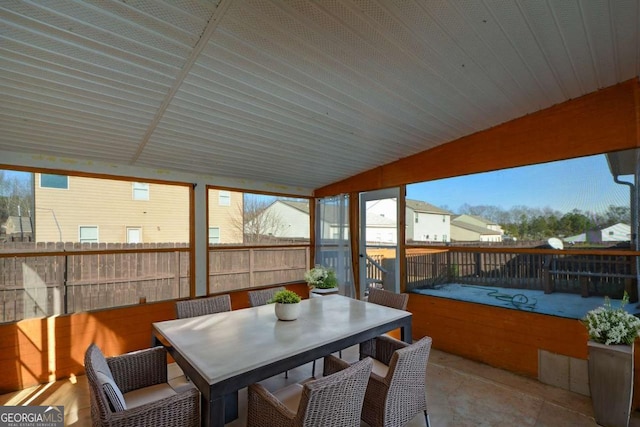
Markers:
point(314, 101)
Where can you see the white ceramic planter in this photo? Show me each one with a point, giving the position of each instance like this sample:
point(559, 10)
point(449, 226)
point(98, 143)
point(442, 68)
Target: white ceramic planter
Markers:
point(287, 311)
point(611, 383)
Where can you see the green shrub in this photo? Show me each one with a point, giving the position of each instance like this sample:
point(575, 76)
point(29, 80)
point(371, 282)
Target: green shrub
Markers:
point(285, 297)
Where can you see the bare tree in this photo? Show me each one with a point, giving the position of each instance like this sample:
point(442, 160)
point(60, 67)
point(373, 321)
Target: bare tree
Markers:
point(16, 198)
point(257, 220)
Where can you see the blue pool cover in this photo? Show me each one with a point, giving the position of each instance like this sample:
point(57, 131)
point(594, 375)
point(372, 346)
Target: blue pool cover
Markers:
point(556, 304)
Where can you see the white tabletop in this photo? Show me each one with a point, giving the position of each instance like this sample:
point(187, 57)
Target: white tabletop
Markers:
point(225, 345)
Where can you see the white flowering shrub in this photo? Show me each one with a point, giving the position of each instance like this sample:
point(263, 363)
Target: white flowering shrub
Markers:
point(321, 277)
point(608, 325)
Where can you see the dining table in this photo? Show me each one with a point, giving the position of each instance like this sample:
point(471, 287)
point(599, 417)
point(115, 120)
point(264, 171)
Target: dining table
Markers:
point(224, 352)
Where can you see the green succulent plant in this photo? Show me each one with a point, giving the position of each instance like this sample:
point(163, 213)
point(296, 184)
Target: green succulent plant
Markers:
point(285, 297)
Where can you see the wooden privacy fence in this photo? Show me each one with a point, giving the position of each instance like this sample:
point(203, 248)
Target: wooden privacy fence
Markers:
point(585, 274)
point(72, 278)
point(243, 268)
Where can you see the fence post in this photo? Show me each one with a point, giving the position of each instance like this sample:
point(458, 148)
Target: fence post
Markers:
point(478, 264)
point(631, 285)
point(547, 281)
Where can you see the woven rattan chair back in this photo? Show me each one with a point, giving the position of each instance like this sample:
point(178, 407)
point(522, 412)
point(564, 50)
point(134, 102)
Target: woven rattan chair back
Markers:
point(332, 401)
point(336, 400)
point(202, 306)
point(94, 362)
point(388, 298)
point(138, 370)
point(405, 395)
point(260, 297)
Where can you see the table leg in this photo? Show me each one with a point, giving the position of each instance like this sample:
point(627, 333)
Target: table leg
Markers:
point(231, 407)
point(219, 411)
point(405, 333)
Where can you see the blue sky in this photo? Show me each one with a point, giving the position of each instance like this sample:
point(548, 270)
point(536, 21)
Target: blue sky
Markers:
point(584, 183)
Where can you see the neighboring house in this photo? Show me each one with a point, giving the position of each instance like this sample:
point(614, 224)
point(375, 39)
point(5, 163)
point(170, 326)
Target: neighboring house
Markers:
point(578, 238)
point(225, 217)
point(614, 233)
point(287, 219)
point(427, 223)
point(480, 222)
point(92, 210)
point(424, 222)
point(17, 228)
point(383, 207)
point(469, 228)
point(381, 229)
point(293, 220)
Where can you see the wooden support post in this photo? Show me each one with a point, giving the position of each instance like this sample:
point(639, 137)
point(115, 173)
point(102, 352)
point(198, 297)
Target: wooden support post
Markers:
point(547, 281)
point(584, 286)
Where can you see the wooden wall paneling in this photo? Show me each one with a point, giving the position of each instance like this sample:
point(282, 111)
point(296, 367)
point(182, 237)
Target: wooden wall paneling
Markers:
point(504, 338)
point(27, 356)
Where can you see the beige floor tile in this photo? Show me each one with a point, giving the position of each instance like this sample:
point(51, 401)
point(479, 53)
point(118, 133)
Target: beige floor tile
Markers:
point(551, 414)
point(460, 393)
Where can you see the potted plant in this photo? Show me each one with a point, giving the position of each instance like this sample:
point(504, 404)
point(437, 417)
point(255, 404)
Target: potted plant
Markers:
point(287, 304)
point(612, 333)
point(321, 277)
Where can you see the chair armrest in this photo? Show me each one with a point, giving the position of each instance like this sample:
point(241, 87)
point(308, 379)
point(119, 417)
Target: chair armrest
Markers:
point(333, 364)
point(138, 369)
point(182, 410)
point(264, 408)
point(383, 348)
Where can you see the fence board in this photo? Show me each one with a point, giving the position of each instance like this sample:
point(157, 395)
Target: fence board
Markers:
point(35, 286)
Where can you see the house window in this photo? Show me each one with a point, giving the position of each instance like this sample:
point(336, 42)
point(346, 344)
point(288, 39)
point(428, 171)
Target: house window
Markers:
point(140, 191)
point(435, 237)
point(134, 235)
point(88, 234)
point(54, 181)
point(214, 235)
point(416, 218)
point(224, 198)
point(611, 233)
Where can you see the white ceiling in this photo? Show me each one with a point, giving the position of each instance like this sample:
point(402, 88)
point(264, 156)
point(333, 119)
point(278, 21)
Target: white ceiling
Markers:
point(293, 92)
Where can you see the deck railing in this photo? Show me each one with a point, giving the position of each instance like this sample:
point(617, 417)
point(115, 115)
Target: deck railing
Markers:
point(603, 272)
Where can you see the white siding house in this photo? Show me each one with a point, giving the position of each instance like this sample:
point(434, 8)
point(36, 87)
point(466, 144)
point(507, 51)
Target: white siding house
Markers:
point(292, 219)
point(614, 233)
point(427, 223)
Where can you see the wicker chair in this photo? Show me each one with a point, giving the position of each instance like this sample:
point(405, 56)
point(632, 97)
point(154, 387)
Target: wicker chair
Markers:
point(261, 297)
point(396, 390)
point(388, 299)
point(132, 390)
point(202, 306)
point(331, 401)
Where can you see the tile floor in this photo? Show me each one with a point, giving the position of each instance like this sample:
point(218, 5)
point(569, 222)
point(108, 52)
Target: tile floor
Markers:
point(460, 393)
